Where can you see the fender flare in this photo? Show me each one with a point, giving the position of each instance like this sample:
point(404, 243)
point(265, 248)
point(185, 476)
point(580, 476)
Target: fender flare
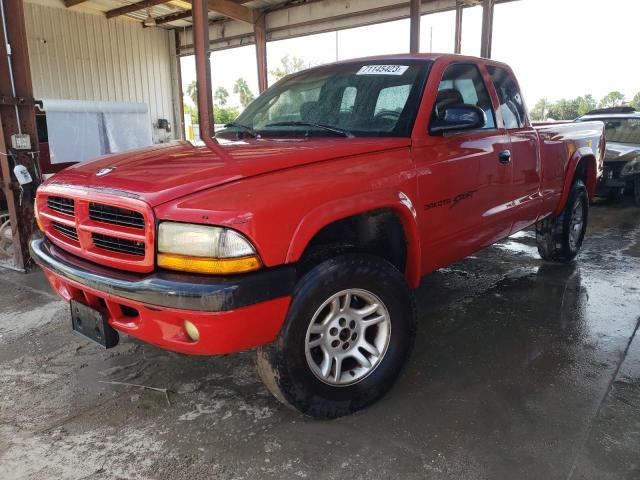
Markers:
point(576, 157)
point(341, 208)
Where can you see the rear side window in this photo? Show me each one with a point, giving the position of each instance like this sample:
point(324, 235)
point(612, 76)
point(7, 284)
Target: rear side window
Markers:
point(511, 103)
point(463, 84)
point(348, 99)
point(392, 99)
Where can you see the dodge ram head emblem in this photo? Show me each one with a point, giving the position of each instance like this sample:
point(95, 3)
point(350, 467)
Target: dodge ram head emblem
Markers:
point(104, 171)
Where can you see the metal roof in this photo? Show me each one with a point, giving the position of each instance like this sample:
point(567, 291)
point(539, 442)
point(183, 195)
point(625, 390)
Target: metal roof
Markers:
point(158, 11)
point(282, 18)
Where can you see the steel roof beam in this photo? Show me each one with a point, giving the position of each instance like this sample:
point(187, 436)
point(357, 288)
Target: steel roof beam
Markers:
point(134, 7)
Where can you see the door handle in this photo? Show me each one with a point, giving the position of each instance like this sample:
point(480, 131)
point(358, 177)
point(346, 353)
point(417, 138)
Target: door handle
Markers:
point(504, 157)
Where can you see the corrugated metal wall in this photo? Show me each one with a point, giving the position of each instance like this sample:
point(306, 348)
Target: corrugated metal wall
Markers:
point(81, 56)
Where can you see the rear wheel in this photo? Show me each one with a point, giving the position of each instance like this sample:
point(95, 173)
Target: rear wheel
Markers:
point(560, 238)
point(347, 335)
point(636, 190)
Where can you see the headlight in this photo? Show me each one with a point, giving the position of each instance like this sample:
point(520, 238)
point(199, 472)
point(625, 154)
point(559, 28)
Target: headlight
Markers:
point(631, 168)
point(202, 249)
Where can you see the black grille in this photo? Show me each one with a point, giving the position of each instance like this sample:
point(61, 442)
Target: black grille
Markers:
point(66, 230)
point(61, 205)
point(118, 244)
point(115, 216)
point(615, 169)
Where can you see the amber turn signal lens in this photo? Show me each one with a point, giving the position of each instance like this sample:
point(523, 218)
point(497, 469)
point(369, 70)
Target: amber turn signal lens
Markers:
point(37, 215)
point(222, 266)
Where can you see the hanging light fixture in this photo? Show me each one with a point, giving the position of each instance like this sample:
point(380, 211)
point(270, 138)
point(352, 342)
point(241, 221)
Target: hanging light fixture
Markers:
point(149, 21)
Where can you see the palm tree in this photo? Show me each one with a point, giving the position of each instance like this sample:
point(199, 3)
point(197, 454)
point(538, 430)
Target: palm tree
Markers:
point(221, 96)
point(192, 92)
point(241, 88)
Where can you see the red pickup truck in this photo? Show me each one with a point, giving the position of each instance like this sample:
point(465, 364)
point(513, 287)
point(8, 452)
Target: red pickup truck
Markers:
point(304, 233)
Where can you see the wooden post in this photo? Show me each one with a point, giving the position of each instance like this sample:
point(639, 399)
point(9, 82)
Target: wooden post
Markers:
point(17, 114)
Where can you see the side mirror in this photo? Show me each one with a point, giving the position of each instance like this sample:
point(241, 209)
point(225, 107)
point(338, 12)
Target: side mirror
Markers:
point(458, 117)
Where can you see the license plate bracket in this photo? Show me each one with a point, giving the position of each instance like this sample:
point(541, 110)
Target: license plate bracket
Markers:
point(93, 325)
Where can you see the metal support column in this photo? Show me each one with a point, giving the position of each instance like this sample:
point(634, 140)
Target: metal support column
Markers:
point(178, 88)
point(17, 115)
point(487, 28)
point(458, 39)
point(260, 33)
point(414, 32)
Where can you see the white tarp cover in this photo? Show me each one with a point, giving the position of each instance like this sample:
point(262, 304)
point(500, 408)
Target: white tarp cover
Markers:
point(80, 130)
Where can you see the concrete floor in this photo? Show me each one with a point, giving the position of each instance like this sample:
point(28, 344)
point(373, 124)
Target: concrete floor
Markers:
point(522, 370)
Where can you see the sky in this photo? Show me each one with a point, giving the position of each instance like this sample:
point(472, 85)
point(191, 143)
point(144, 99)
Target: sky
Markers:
point(557, 48)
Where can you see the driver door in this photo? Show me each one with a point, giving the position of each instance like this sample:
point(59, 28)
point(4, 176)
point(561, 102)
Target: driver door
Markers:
point(463, 182)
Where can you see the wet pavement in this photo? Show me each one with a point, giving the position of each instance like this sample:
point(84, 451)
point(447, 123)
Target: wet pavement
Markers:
point(522, 370)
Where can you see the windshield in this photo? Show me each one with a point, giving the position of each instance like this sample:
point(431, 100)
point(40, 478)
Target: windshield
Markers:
point(367, 98)
point(621, 130)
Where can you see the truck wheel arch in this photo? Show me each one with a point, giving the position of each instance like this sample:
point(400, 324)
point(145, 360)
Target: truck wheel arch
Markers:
point(582, 165)
point(328, 214)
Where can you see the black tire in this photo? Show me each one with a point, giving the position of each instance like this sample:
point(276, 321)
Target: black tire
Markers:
point(553, 234)
point(636, 190)
point(615, 195)
point(283, 365)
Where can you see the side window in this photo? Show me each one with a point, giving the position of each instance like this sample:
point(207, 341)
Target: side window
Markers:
point(392, 99)
point(511, 104)
point(463, 84)
point(348, 99)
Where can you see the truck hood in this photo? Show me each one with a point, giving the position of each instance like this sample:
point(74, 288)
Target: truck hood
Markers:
point(621, 152)
point(163, 173)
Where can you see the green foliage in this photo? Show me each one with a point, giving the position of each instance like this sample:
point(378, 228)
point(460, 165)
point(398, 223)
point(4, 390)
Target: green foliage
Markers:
point(288, 65)
point(540, 110)
point(221, 96)
point(586, 104)
point(193, 111)
point(192, 92)
point(241, 88)
point(569, 109)
point(564, 109)
point(224, 115)
point(612, 99)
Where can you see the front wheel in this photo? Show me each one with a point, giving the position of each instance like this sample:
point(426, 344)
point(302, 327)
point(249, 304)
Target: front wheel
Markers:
point(347, 335)
point(560, 238)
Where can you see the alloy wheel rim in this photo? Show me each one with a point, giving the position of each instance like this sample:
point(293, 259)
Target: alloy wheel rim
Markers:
point(348, 337)
point(576, 225)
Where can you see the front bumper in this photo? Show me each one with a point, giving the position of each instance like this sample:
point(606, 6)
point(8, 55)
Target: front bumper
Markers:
point(232, 313)
point(612, 178)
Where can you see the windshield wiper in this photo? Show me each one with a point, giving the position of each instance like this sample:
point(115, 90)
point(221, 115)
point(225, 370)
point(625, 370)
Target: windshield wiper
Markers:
point(329, 128)
point(244, 128)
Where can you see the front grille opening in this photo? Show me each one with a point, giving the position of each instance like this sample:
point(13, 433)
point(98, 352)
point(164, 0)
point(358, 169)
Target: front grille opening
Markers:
point(129, 311)
point(115, 216)
point(120, 245)
point(102, 303)
point(62, 205)
point(66, 230)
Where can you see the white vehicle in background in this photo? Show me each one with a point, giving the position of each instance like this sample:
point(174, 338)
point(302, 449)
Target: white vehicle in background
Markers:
point(622, 160)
